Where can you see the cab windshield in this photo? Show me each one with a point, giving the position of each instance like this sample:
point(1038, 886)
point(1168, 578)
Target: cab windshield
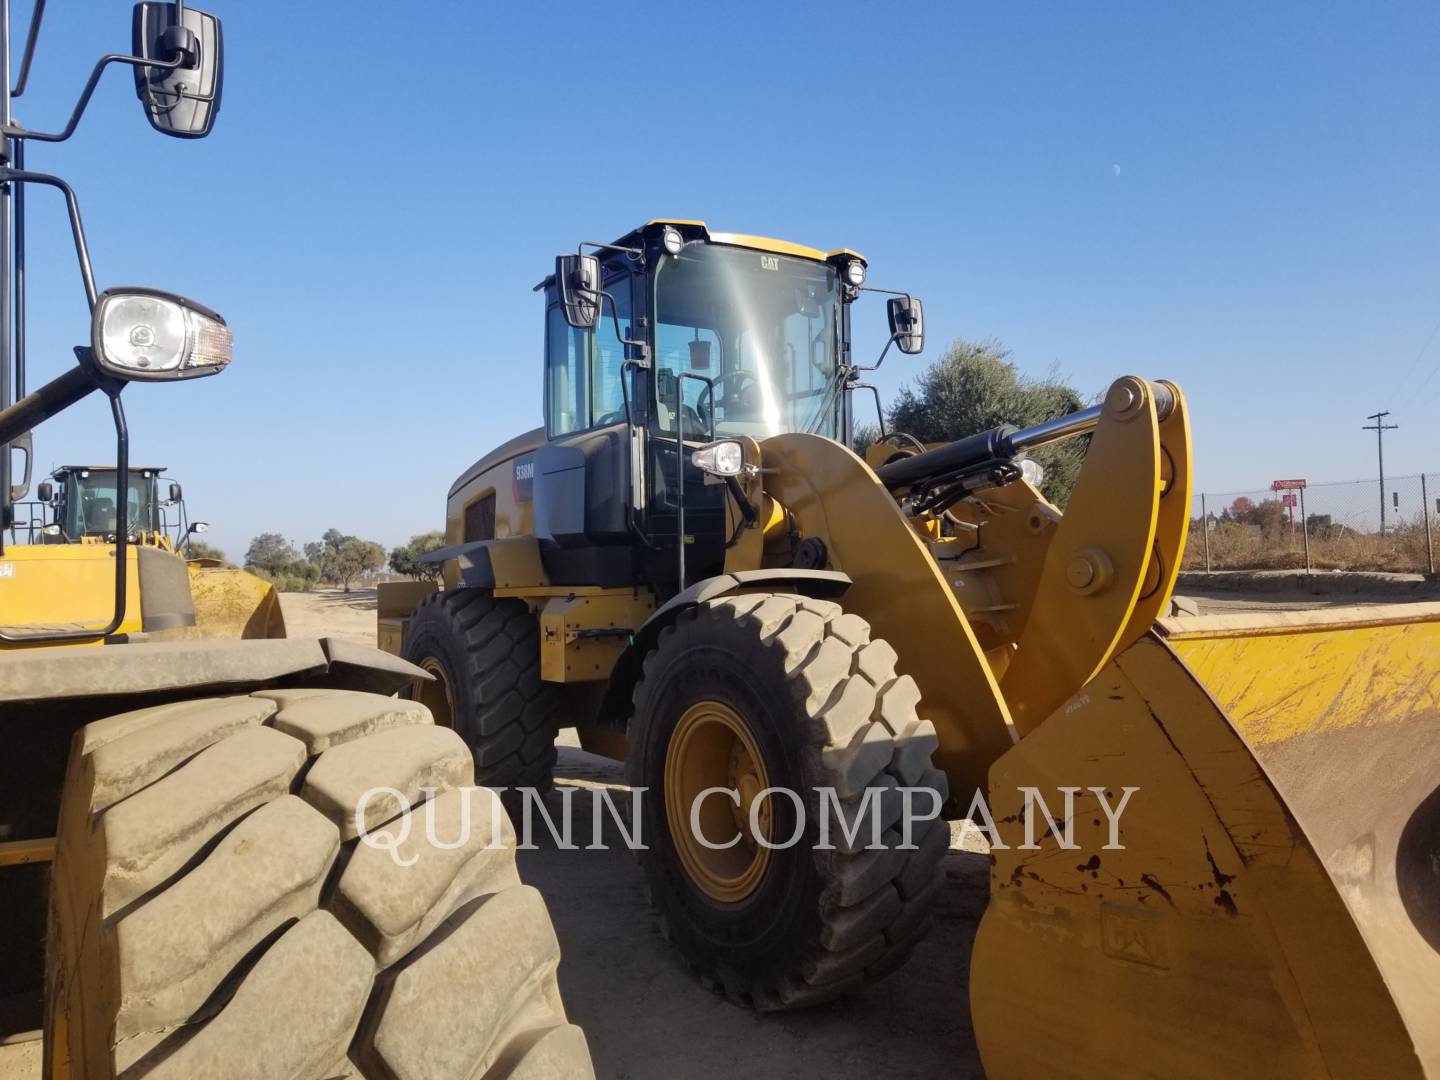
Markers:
point(92, 504)
point(763, 328)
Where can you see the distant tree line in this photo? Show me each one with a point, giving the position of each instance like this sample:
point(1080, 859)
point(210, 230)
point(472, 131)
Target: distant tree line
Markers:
point(335, 559)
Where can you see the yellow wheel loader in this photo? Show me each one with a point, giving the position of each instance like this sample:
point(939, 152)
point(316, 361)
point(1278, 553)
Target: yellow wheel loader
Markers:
point(78, 505)
point(185, 890)
point(1215, 847)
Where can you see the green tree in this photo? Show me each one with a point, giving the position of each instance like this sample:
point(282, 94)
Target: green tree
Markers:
point(405, 559)
point(301, 575)
point(198, 549)
point(341, 558)
point(973, 387)
point(270, 552)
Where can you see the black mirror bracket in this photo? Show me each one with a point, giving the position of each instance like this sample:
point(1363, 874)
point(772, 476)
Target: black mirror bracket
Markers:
point(15, 131)
point(180, 44)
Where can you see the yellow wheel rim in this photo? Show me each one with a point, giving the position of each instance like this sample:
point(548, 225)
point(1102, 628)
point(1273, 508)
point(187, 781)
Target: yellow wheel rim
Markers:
point(712, 748)
point(435, 696)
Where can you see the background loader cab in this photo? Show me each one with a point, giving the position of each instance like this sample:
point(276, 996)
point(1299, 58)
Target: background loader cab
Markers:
point(79, 503)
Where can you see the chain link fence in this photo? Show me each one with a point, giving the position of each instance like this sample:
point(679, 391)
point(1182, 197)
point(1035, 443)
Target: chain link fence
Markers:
point(1347, 525)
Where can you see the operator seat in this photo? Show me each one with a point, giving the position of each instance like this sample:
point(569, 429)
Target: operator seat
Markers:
point(100, 516)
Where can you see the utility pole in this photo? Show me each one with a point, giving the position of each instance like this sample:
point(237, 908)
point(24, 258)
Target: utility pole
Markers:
point(1380, 427)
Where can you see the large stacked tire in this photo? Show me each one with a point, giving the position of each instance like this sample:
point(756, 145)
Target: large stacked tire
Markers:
point(214, 914)
point(486, 654)
point(822, 707)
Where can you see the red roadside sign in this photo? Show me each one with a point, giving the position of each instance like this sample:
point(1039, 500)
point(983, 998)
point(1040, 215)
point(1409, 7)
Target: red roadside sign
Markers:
point(1286, 485)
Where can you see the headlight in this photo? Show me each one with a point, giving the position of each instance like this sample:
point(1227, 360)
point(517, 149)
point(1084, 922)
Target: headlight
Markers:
point(855, 273)
point(725, 458)
point(672, 240)
point(149, 334)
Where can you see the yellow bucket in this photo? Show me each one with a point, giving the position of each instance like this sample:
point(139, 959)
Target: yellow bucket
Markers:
point(1271, 906)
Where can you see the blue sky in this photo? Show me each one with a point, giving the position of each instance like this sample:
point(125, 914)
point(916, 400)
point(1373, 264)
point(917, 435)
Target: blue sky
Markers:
point(1244, 198)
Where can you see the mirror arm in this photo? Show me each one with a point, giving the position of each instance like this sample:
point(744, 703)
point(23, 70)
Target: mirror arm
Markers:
point(876, 366)
point(15, 131)
point(77, 227)
point(635, 254)
point(639, 346)
point(36, 16)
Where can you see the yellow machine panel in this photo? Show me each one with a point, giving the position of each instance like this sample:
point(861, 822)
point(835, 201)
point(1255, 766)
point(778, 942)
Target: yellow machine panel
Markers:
point(65, 587)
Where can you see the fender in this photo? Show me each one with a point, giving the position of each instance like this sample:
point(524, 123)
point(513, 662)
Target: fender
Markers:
point(615, 707)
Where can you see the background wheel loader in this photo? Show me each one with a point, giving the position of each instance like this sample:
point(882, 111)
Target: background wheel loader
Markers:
point(179, 854)
point(689, 565)
point(78, 505)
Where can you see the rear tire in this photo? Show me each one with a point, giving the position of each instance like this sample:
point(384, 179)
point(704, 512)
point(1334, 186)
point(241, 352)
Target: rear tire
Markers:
point(215, 915)
point(485, 654)
point(820, 706)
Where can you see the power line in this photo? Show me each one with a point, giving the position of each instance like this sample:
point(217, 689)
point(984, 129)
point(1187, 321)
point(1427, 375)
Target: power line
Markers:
point(1414, 363)
point(1380, 427)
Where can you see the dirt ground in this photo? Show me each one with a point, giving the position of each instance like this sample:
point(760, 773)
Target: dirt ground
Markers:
point(647, 1016)
point(330, 613)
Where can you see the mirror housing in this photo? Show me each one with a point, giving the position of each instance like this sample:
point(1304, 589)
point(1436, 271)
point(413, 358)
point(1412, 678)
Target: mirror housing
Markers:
point(45, 491)
point(175, 492)
point(907, 323)
point(181, 101)
point(577, 278)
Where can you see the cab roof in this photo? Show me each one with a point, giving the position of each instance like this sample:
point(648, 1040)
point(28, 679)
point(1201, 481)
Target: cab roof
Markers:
point(745, 240)
point(106, 468)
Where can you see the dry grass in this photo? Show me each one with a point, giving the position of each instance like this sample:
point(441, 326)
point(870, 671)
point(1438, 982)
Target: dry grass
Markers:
point(1235, 546)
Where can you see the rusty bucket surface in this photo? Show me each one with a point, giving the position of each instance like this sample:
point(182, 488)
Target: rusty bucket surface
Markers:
point(1272, 907)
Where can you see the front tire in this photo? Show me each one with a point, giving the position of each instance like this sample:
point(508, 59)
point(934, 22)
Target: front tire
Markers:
point(213, 914)
point(485, 656)
point(779, 691)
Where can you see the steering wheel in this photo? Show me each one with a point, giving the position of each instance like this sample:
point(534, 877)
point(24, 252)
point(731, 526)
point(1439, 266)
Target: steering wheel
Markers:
point(744, 399)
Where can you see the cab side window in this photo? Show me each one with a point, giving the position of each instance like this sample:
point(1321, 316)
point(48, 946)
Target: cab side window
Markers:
point(583, 367)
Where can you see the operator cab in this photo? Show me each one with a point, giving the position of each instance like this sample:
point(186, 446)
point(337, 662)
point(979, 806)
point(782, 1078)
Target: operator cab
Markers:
point(86, 505)
point(676, 334)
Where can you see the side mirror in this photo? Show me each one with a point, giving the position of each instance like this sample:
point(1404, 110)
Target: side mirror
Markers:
point(578, 278)
point(174, 491)
point(182, 101)
point(199, 526)
point(667, 387)
point(907, 323)
point(44, 491)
